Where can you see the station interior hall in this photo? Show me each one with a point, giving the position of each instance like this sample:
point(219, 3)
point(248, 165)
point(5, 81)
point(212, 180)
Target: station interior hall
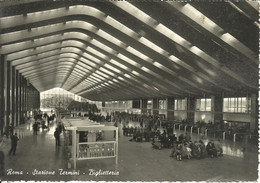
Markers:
point(129, 90)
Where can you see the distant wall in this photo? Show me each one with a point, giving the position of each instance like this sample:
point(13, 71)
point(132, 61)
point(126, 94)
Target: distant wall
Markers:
point(202, 116)
point(236, 117)
point(180, 115)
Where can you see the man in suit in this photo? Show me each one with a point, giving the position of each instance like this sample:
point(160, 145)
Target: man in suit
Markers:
point(14, 140)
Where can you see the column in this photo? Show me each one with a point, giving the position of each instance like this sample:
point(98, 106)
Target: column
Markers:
point(29, 95)
point(16, 98)
point(26, 98)
point(155, 106)
point(144, 106)
point(254, 113)
point(170, 108)
point(13, 96)
point(7, 92)
point(23, 97)
point(20, 114)
point(191, 104)
point(2, 96)
point(216, 109)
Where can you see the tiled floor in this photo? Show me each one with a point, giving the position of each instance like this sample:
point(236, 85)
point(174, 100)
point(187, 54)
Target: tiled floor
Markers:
point(137, 162)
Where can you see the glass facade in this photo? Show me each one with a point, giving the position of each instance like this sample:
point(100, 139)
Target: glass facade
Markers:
point(58, 97)
point(237, 105)
point(162, 104)
point(203, 104)
point(180, 104)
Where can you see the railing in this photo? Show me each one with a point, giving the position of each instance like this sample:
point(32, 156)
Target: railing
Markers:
point(96, 150)
point(212, 131)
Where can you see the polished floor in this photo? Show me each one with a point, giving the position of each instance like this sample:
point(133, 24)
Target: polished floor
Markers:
point(137, 162)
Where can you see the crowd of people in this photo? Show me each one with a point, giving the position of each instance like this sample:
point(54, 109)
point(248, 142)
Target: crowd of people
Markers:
point(182, 147)
point(40, 121)
point(196, 149)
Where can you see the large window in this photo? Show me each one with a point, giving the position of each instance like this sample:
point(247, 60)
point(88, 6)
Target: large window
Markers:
point(149, 104)
point(239, 104)
point(58, 97)
point(180, 104)
point(162, 104)
point(203, 104)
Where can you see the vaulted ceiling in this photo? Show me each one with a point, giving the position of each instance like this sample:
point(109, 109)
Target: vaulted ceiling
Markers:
point(118, 50)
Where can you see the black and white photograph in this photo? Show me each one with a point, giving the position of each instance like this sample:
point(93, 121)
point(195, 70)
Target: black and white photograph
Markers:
point(138, 90)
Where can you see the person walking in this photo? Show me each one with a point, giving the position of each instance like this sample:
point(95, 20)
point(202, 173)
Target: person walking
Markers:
point(14, 140)
point(57, 137)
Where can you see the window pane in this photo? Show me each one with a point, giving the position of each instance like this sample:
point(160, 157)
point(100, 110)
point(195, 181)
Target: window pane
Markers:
point(208, 105)
point(239, 109)
point(243, 109)
point(235, 109)
point(232, 102)
point(243, 102)
point(239, 100)
point(198, 104)
point(202, 104)
point(183, 104)
point(231, 110)
point(225, 105)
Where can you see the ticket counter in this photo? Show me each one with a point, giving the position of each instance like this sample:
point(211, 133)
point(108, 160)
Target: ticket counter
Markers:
point(90, 140)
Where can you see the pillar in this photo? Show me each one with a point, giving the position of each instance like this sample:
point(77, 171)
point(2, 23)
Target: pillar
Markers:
point(16, 98)
point(20, 114)
point(29, 96)
point(191, 104)
point(23, 97)
point(170, 108)
point(7, 92)
point(144, 106)
point(155, 106)
point(38, 100)
point(254, 113)
point(216, 109)
point(13, 96)
point(2, 96)
point(26, 97)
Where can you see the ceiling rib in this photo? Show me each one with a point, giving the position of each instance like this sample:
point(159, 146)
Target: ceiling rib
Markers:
point(104, 60)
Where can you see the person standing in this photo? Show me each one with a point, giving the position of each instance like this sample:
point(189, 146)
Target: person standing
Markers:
point(48, 120)
point(57, 137)
point(35, 128)
point(14, 140)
